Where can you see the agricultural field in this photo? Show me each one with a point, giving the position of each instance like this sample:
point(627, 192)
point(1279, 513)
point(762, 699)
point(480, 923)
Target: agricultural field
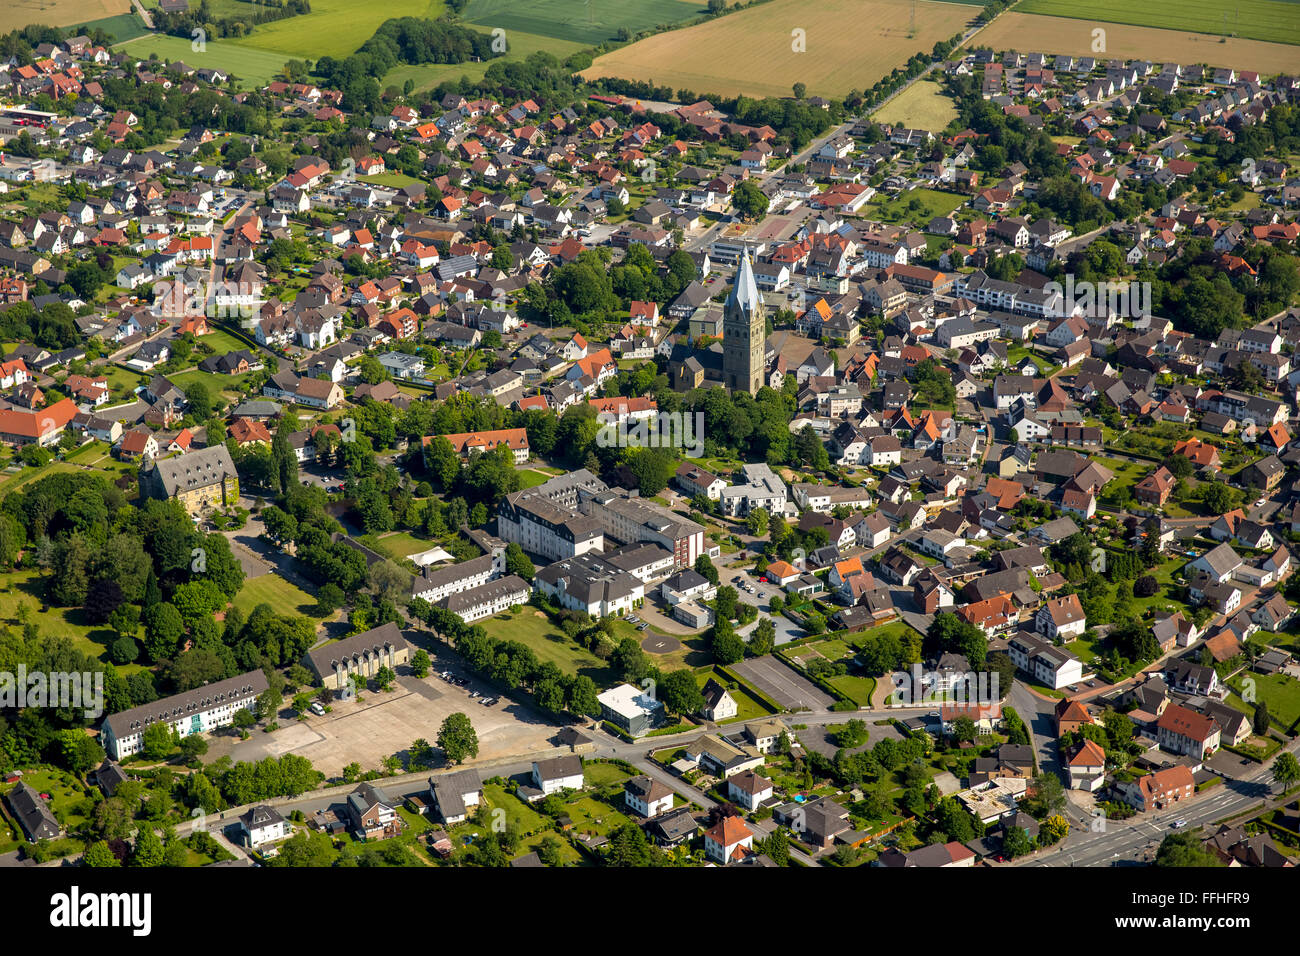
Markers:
point(16, 14)
point(252, 67)
point(334, 27)
point(589, 23)
point(1022, 31)
point(125, 26)
point(922, 105)
point(1275, 20)
point(718, 57)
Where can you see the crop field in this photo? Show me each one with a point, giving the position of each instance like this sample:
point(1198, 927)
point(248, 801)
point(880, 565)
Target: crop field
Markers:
point(922, 105)
point(1274, 20)
point(252, 67)
point(589, 23)
point(125, 26)
point(334, 27)
point(1021, 31)
point(16, 14)
point(847, 44)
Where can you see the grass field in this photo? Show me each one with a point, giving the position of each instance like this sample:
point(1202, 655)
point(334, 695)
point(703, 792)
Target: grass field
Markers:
point(276, 591)
point(752, 52)
point(124, 26)
point(1250, 19)
point(334, 27)
point(1280, 692)
point(16, 14)
point(252, 67)
point(587, 23)
point(916, 206)
point(549, 643)
point(1022, 31)
point(921, 106)
point(26, 587)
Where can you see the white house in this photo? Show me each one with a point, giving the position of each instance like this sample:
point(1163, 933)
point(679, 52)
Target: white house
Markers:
point(262, 825)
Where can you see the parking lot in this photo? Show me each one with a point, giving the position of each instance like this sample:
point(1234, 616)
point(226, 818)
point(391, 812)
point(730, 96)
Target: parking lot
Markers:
point(782, 684)
point(387, 723)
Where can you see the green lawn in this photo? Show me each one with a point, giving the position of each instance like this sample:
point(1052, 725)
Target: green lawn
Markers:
point(65, 791)
point(252, 67)
point(590, 815)
point(917, 206)
point(601, 774)
point(334, 27)
point(856, 689)
point(276, 591)
point(394, 179)
point(26, 588)
point(1280, 692)
point(531, 627)
point(400, 544)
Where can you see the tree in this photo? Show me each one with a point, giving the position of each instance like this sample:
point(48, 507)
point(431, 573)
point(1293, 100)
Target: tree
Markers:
point(1184, 849)
point(800, 90)
point(749, 200)
point(1219, 498)
point(98, 854)
point(518, 563)
point(1053, 830)
point(194, 746)
point(728, 647)
point(148, 849)
point(1260, 722)
point(763, 639)
point(679, 692)
point(420, 663)
point(1286, 770)
point(1045, 795)
point(157, 740)
point(1016, 843)
point(457, 739)
point(704, 567)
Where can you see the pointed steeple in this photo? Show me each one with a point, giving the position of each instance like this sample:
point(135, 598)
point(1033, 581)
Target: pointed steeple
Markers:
point(745, 290)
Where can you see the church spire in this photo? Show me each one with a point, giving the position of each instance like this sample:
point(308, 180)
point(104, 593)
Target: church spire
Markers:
point(745, 290)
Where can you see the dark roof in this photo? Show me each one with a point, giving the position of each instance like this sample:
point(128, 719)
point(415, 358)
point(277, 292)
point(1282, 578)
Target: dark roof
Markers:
point(33, 814)
point(133, 721)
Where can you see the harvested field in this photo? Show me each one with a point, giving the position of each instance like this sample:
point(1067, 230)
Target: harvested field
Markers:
point(847, 44)
point(16, 14)
point(921, 106)
point(1021, 31)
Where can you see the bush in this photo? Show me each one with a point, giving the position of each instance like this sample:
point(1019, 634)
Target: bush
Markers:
point(1145, 586)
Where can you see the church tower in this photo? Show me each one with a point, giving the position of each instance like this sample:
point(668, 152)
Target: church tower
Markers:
point(744, 333)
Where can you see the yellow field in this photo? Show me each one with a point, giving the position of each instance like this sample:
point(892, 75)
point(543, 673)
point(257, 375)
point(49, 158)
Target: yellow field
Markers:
point(921, 106)
point(16, 14)
point(1021, 31)
point(849, 44)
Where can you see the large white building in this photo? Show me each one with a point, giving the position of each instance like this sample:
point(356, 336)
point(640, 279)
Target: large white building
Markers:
point(198, 711)
point(763, 488)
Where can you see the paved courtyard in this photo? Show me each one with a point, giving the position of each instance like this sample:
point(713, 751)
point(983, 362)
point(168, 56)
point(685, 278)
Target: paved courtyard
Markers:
point(387, 723)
